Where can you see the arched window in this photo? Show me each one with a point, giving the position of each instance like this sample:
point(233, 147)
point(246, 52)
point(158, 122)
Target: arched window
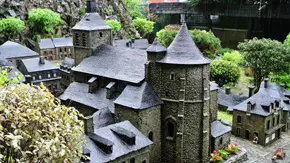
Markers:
point(101, 34)
point(144, 161)
point(132, 160)
point(150, 136)
point(170, 128)
point(221, 140)
point(172, 76)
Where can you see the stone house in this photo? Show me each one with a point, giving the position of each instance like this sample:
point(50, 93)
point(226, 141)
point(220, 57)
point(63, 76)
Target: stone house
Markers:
point(260, 115)
point(14, 52)
point(65, 72)
point(164, 93)
point(38, 70)
point(55, 48)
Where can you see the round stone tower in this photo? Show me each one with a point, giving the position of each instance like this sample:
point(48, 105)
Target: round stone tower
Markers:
point(180, 76)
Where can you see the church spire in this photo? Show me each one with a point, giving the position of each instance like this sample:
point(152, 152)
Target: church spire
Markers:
point(91, 6)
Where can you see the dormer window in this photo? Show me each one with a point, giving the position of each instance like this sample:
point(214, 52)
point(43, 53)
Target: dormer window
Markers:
point(277, 103)
point(273, 106)
point(172, 76)
point(84, 39)
point(249, 108)
point(48, 75)
point(77, 39)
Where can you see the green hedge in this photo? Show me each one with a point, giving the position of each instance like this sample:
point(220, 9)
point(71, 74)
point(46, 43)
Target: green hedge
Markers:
point(207, 42)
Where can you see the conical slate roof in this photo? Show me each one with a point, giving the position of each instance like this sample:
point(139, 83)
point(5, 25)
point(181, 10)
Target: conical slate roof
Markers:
point(183, 50)
point(156, 47)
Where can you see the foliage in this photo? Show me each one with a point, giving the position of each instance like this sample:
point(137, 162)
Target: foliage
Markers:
point(264, 56)
point(109, 10)
point(135, 8)
point(4, 77)
point(231, 149)
point(222, 51)
point(233, 57)
point(207, 42)
point(35, 127)
point(224, 154)
point(82, 11)
point(10, 26)
point(43, 21)
point(280, 78)
point(287, 40)
point(216, 157)
point(225, 116)
point(224, 72)
point(114, 24)
point(143, 26)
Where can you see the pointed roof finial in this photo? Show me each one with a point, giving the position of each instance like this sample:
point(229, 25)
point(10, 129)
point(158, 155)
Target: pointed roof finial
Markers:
point(182, 18)
point(156, 47)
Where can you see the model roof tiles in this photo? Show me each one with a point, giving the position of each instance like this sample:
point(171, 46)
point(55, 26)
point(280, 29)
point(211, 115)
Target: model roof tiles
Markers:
point(15, 50)
point(138, 97)
point(183, 50)
point(118, 63)
point(51, 43)
point(90, 22)
point(119, 147)
point(156, 47)
point(34, 65)
point(218, 129)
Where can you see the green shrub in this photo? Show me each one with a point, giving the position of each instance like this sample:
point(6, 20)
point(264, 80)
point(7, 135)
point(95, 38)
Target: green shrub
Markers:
point(234, 57)
point(114, 24)
point(287, 40)
point(224, 72)
point(135, 8)
point(280, 78)
point(222, 51)
point(43, 21)
point(207, 42)
point(82, 11)
point(143, 26)
point(10, 26)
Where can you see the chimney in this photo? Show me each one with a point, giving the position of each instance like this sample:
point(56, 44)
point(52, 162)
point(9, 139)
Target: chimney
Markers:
point(266, 81)
point(228, 90)
point(28, 79)
point(127, 136)
point(251, 90)
point(93, 84)
point(41, 60)
point(111, 88)
point(133, 40)
point(89, 124)
point(104, 144)
point(91, 6)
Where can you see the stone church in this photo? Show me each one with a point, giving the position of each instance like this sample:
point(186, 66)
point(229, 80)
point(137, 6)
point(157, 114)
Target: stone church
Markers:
point(161, 97)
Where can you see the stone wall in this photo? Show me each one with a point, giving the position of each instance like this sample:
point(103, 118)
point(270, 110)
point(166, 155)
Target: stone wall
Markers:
point(140, 156)
point(225, 141)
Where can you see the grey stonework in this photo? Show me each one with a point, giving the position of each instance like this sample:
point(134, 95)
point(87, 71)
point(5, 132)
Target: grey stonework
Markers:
point(222, 141)
point(213, 105)
point(140, 156)
point(146, 120)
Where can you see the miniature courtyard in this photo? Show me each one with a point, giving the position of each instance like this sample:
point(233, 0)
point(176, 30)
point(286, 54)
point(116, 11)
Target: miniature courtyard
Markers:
point(260, 154)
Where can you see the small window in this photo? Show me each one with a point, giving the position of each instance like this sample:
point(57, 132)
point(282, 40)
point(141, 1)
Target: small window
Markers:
point(172, 76)
point(54, 75)
point(170, 130)
point(33, 78)
point(150, 136)
point(221, 140)
point(268, 124)
point(273, 121)
point(247, 134)
point(40, 77)
point(84, 41)
point(239, 119)
point(101, 34)
point(278, 119)
point(238, 131)
point(132, 160)
point(65, 49)
point(48, 75)
point(77, 39)
point(277, 104)
point(166, 94)
point(60, 50)
point(144, 161)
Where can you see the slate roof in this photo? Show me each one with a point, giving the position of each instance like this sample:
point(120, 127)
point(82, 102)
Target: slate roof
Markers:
point(229, 100)
point(79, 92)
point(91, 21)
point(264, 97)
point(138, 97)
point(213, 86)
point(13, 71)
point(219, 129)
point(14, 50)
point(183, 50)
point(62, 42)
point(70, 62)
point(119, 147)
point(156, 47)
point(138, 44)
point(46, 44)
point(103, 118)
point(33, 65)
point(119, 63)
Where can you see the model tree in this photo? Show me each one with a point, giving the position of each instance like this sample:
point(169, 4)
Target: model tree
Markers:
point(264, 56)
point(114, 24)
point(43, 21)
point(143, 26)
point(224, 72)
point(34, 127)
point(10, 27)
